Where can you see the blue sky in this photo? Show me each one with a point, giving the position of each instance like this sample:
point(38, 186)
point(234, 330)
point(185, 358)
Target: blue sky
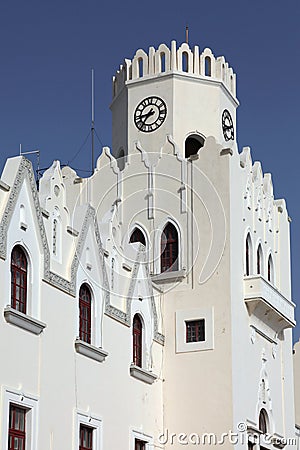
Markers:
point(48, 48)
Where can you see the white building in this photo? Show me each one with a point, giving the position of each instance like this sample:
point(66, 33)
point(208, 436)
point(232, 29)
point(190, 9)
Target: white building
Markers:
point(149, 306)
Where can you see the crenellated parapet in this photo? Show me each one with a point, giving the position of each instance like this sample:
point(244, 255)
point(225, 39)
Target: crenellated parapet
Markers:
point(182, 60)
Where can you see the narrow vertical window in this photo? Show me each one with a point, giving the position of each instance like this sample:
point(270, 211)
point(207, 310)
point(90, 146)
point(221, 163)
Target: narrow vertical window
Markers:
point(137, 236)
point(137, 334)
point(169, 249)
point(259, 259)
point(17, 428)
point(185, 62)
point(163, 62)
point(248, 255)
point(85, 438)
point(207, 66)
point(18, 279)
point(263, 421)
point(270, 270)
point(85, 314)
point(141, 67)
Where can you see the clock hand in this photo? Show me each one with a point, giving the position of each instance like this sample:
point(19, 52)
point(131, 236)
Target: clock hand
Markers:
point(148, 114)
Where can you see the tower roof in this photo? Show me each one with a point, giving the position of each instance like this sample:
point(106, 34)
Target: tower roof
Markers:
point(182, 60)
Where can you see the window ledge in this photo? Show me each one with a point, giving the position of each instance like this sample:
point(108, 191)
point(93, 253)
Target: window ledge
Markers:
point(89, 350)
point(169, 277)
point(22, 320)
point(142, 374)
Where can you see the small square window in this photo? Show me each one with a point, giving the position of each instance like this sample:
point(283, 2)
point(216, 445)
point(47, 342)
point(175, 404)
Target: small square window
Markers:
point(139, 444)
point(195, 330)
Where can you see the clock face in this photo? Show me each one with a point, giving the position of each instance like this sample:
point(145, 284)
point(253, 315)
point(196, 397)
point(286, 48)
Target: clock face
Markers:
point(150, 114)
point(227, 125)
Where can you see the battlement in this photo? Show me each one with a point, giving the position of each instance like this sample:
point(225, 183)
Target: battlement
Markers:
point(183, 60)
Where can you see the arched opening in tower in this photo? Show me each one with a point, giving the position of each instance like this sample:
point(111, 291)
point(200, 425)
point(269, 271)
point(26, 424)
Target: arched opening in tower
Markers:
point(193, 144)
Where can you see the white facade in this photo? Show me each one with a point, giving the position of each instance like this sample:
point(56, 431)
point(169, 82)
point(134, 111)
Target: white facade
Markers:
point(174, 160)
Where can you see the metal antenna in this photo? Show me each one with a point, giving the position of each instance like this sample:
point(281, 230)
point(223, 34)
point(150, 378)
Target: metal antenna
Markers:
point(93, 122)
point(187, 34)
point(37, 153)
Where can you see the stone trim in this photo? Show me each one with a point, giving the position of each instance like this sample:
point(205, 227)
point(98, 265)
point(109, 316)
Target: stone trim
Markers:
point(142, 374)
point(89, 350)
point(24, 321)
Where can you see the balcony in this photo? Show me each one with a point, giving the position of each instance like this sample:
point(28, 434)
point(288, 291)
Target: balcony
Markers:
point(268, 304)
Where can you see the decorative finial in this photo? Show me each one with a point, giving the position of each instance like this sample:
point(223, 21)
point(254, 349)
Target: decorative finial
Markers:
point(187, 34)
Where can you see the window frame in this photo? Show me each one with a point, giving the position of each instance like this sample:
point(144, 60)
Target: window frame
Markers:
point(90, 431)
point(271, 270)
point(30, 404)
point(83, 305)
point(173, 264)
point(259, 260)
point(90, 421)
point(183, 316)
point(263, 421)
point(137, 340)
point(197, 327)
point(23, 273)
point(140, 436)
point(248, 255)
point(14, 432)
point(135, 230)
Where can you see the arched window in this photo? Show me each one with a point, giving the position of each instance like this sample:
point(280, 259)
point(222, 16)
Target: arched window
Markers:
point(193, 144)
point(85, 313)
point(248, 256)
point(141, 67)
point(207, 66)
point(137, 236)
point(270, 270)
point(18, 279)
point(137, 344)
point(259, 261)
point(263, 421)
point(185, 62)
point(169, 248)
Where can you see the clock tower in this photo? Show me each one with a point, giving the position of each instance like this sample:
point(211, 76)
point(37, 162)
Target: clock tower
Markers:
point(173, 91)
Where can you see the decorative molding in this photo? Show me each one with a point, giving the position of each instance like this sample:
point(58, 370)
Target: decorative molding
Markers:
point(125, 317)
point(24, 321)
point(25, 171)
point(142, 374)
point(96, 353)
